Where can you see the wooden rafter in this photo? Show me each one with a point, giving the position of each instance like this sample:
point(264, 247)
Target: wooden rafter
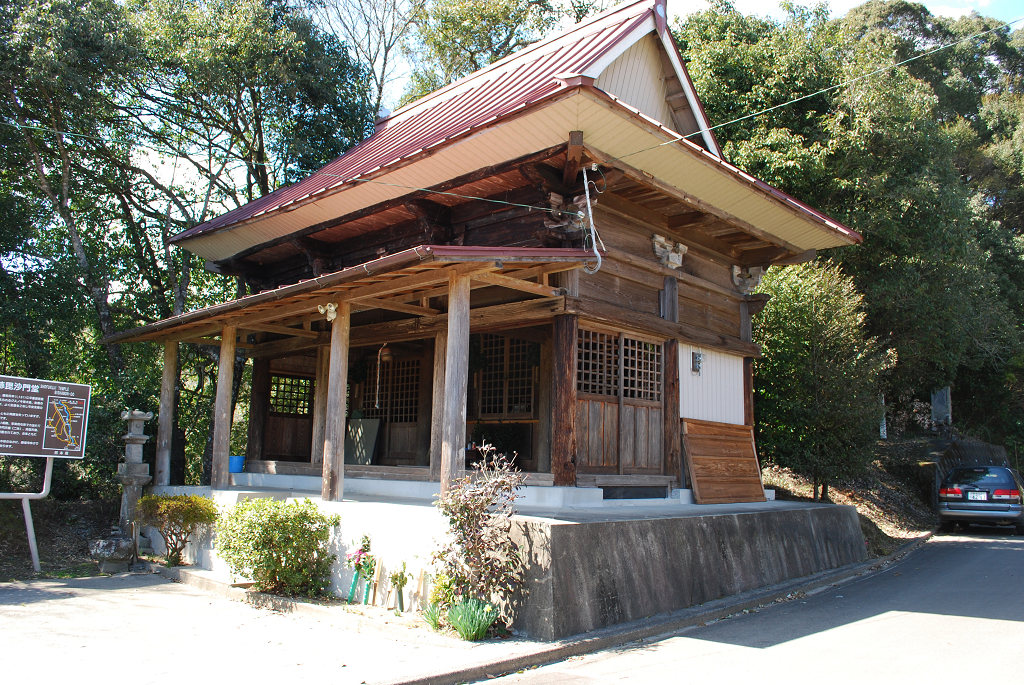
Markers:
point(518, 284)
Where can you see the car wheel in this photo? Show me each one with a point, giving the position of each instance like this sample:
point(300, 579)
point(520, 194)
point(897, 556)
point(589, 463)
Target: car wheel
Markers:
point(947, 526)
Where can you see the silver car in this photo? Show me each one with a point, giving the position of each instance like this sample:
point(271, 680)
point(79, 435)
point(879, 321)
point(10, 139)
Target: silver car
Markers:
point(989, 495)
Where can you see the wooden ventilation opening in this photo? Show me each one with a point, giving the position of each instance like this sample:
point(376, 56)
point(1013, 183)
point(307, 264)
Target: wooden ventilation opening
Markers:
point(722, 460)
point(619, 404)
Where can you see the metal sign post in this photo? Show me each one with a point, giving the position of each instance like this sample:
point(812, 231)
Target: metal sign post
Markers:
point(41, 418)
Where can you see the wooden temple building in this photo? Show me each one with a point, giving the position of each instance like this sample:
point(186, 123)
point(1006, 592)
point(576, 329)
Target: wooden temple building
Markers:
point(438, 284)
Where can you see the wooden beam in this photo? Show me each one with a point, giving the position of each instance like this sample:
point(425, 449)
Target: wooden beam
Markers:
point(222, 410)
point(496, 317)
point(655, 268)
point(374, 303)
point(166, 418)
point(518, 284)
point(651, 182)
point(448, 185)
point(333, 483)
point(716, 250)
point(670, 412)
point(456, 381)
point(563, 410)
point(283, 330)
point(629, 319)
point(408, 284)
point(437, 404)
point(320, 391)
point(748, 391)
point(573, 157)
point(289, 345)
point(530, 272)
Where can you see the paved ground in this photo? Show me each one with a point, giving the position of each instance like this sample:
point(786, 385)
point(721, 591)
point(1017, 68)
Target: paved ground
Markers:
point(955, 605)
point(146, 629)
point(953, 610)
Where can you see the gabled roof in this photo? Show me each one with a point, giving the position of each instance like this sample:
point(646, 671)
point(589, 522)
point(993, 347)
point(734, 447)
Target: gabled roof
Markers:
point(496, 91)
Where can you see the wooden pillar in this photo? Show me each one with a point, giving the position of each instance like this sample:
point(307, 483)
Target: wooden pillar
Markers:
point(544, 409)
point(456, 381)
point(670, 411)
point(563, 401)
point(259, 408)
point(165, 432)
point(424, 408)
point(670, 300)
point(333, 486)
point(222, 409)
point(323, 359)
point(437, 405)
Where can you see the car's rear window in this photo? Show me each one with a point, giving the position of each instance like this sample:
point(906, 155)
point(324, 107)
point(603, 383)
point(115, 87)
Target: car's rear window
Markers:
point(979, 475)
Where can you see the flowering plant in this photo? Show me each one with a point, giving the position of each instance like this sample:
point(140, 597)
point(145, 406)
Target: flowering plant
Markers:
point(361, 560)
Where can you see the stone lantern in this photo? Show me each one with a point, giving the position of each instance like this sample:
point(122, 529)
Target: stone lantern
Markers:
point(133, 473)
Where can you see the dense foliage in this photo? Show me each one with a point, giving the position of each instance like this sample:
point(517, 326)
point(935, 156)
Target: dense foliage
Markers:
point(281, 547)
point(924, 159)
point(177, 518)
point(121, 125)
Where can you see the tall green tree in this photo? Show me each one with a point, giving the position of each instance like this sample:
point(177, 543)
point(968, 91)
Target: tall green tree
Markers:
point(817, 386)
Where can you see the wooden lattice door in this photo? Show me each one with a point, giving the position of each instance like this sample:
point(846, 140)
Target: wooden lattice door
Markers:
point(397, 407)
point(619, 409)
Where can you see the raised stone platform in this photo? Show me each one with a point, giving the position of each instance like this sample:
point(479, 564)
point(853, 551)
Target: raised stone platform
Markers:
point(590, 563)
point(587, 569)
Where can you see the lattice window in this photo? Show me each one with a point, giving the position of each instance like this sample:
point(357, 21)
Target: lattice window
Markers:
point(291, 395)
point(597, 363)
point(505, 384)
point(642, 370)
point(405, 391)
point(519, 373)
point(492, 378)
point(399, 391)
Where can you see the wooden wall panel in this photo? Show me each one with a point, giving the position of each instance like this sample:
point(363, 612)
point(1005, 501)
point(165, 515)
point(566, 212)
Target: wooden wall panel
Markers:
point(289, 438)
point(597, 428)
point(722, 461)
point(636, 77)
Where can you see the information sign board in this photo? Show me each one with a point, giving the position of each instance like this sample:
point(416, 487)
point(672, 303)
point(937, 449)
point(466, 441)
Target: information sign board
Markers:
point(40, 418)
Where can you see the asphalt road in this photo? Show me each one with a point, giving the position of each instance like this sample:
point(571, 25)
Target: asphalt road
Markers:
point(951, 612)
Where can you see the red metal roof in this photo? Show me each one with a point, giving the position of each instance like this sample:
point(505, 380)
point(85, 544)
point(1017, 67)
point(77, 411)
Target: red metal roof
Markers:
point(488, 94)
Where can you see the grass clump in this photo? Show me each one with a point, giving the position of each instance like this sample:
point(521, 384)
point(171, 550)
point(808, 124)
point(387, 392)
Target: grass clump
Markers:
point(472, 618)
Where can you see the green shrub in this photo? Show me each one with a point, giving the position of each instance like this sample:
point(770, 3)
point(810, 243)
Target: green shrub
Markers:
point(177, 517)
point(432, 615)
point(471, 618)
point(281, 547)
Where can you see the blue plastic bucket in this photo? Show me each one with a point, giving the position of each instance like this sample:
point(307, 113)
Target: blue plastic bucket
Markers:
point(236, 464)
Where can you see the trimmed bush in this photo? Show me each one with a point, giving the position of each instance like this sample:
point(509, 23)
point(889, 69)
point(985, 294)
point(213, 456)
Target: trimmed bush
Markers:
point(471, 618)
point(281, 547)
point(177, 517)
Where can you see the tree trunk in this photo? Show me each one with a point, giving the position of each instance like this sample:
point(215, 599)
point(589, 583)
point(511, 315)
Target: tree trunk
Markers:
point(824, 491)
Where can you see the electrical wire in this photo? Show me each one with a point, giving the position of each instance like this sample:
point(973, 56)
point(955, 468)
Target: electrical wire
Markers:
point(679, 138)
point(820, 92)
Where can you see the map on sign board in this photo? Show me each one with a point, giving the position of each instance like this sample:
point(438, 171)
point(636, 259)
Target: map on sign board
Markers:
point(41, 418)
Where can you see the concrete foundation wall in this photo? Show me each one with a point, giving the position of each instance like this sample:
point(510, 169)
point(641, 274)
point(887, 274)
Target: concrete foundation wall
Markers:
point(584, 576)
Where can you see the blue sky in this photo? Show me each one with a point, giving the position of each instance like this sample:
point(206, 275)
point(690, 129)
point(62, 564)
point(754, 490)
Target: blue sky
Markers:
point(1007, 10)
